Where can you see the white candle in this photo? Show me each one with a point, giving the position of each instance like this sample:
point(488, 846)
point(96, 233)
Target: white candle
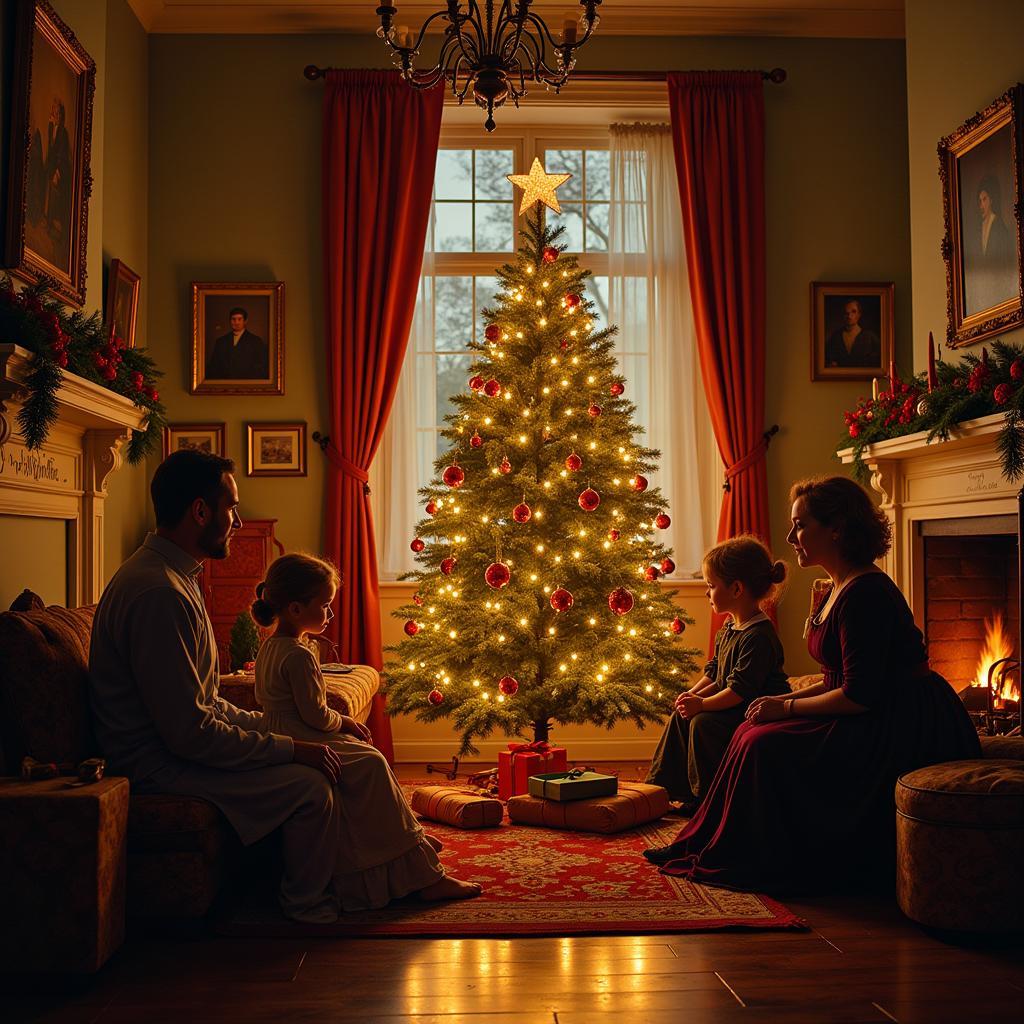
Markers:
point(874, 389)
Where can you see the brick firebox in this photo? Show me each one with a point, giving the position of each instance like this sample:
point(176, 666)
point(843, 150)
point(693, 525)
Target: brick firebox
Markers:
point(968, 579)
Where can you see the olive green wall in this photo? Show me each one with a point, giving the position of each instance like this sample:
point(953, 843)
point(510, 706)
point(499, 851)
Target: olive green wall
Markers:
point(235, 194)
point(960, 57)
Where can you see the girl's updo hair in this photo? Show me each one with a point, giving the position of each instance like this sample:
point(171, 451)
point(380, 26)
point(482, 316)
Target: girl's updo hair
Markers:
point(747, 560)
point(290, 578)
point(863, 531)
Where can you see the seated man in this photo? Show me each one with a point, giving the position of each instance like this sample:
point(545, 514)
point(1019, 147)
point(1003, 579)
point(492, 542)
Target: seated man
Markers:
point(153, 685)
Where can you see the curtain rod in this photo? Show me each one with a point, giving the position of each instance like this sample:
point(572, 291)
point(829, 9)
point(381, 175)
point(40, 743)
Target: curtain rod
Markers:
point(776, 76)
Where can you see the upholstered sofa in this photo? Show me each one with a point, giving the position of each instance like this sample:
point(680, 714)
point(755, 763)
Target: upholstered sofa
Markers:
point(180, 849)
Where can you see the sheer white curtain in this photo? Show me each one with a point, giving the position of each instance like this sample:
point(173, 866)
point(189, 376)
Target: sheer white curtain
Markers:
point(405, 455)
point(649, 299)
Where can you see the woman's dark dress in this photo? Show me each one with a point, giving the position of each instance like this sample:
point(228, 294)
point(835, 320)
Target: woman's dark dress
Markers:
point(748, 660)
point(794, 799)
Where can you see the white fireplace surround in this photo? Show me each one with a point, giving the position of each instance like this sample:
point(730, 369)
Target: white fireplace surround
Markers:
point(66, 478)
point(953, 479)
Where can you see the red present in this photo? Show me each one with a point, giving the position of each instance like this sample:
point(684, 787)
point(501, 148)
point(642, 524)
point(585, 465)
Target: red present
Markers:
point(522, 760)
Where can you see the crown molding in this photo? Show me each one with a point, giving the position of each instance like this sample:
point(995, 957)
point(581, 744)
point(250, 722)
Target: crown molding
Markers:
point(863, 19)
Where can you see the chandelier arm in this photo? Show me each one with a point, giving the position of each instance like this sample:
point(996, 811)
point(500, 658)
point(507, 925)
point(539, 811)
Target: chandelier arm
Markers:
point(514, 28)
point(419, 39)
point(535, 59)
point(427, 78)
point(460, 95)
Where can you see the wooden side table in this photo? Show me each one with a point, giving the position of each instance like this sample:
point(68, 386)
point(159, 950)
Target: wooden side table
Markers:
point(62, 874)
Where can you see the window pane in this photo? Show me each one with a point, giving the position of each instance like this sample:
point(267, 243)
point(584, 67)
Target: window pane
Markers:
point(571, 219)
point(599, 174)
point(453, 314)
point(486, 290)
point(453, 227)
point(634, 368)
point(597, 292)
point(454, 174)
point(597, 227)
point(452, 374)
point(494, 227)
point(491, 167)
point(566, 161)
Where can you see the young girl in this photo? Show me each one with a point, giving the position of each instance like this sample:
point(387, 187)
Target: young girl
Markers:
point(383, 853)
point(740, 577)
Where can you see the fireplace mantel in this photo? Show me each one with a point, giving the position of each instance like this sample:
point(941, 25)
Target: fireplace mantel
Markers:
point(950, 479)
point(66, 477)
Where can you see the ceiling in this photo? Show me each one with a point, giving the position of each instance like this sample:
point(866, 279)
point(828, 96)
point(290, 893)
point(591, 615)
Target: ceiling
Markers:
point(881, 19)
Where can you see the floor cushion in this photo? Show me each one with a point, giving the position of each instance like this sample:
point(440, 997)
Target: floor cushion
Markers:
point(636, 803)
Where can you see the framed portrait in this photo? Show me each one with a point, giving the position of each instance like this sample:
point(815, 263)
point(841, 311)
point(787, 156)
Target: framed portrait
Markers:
point(122, 303)
point(51, 134)
point(237, 338)
point(276, 449)
point(980, 169)
point(205, 437)
point(851, 329)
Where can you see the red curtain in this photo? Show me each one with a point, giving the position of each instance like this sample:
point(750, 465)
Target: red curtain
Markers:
point(718, 134)
point(380, 148)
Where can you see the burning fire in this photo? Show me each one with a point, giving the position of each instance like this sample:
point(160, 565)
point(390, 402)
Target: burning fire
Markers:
point(998, 644)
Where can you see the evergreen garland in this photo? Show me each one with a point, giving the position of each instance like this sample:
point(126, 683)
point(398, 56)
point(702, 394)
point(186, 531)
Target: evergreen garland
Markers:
point(75, 342)
point(979, 385)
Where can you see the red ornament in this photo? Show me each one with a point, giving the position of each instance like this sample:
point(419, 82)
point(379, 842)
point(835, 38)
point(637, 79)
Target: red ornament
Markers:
point(417, 600)
point(639, 483)
point(677, 625)
point(651, 573)
point(492, 332)
point(492, 388)
point(668, 566)
point(589, 500)
point(448, 565)
point(476, 382)
point(453, 475)
point(572, 300)
point(1017, 369)
point(417, 545)
point(662, 521)
point(505, 466)
point(431, 508)
point(561, 600)
point(620, 600)
point(497, 575)
point(594, 410)
point(564, 343)
point(435, 697)
point(508, 685)
point(573, 463)
point(412, 627)
point(617, 389)
point(521, 513)
point(550, 254)
point(476, 440)
point(1002, 393)
point(613, 534)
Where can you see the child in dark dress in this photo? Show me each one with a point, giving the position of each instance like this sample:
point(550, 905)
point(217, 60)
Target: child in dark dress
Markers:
point(741, 577)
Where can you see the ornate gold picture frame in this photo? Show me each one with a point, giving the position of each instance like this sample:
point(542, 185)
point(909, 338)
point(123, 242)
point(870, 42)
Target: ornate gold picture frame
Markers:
point(276, 449)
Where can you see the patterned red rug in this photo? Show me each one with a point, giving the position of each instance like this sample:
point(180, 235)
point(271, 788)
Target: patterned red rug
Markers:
point(539, 881)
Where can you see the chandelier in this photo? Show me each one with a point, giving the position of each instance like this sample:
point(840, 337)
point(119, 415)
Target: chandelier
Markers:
point(492, 54)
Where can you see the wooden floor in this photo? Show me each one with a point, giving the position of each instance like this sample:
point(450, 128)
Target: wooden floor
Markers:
point(862, 961)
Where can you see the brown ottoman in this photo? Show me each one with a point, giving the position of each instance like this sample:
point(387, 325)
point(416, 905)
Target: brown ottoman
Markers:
point(62, 874)
point(960, 845)
point(636, 803)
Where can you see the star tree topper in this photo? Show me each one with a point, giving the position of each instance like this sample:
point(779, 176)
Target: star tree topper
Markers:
point(538, 187)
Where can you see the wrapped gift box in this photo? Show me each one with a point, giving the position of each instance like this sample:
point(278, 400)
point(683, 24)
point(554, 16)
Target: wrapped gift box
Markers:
point(636, 803)
point(457, 808)
point(521, 760)
point(574, 785)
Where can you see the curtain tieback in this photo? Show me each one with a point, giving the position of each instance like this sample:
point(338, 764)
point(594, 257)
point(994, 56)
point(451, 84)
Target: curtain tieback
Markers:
point(348, 467)
point(748, 460)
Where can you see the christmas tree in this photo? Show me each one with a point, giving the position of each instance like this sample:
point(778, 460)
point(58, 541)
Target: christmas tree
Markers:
point(537, 597)
point(244, 642)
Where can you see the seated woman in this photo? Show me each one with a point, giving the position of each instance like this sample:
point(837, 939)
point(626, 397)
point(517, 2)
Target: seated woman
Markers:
point(804, 796)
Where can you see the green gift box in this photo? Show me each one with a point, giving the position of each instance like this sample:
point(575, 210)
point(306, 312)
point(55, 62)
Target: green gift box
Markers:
point(574, 785)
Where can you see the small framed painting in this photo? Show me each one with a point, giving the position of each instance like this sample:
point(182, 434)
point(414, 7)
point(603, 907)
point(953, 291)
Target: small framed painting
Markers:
point(980, 170)
point(204, 437)
point(122, 303)
point(276, 449)
point(851, 329)
point(237, 338)
point(52, 90)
